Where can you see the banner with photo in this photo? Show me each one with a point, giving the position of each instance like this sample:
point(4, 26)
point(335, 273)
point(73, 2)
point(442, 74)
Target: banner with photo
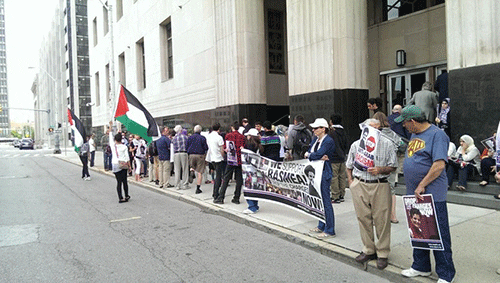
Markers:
point(365, 156)
point(232, 158)
point(422, 223)
point(295, 184)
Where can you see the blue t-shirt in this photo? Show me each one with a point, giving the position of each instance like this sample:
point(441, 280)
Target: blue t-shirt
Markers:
point(423, 150)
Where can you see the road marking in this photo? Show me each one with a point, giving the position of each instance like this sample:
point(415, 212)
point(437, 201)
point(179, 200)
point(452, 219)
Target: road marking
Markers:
point(16, 155)
point(26, 155)
point(125, 219)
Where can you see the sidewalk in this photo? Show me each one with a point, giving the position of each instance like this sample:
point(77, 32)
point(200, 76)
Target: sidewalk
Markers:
point(475, 231)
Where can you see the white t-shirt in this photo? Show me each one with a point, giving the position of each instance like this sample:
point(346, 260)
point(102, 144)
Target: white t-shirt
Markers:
point(91, 144)
point(215, 143)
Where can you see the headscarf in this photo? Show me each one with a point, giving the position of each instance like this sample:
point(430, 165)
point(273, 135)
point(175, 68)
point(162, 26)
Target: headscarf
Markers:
point(443, 113)
point(469, 141)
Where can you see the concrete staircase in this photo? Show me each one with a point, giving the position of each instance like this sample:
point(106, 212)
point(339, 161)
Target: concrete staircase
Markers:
point(474, 196)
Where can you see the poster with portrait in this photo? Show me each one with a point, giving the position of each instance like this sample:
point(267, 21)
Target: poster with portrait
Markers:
point(295, 184)
point(422, 223)
point(365, 155)
point(232, 158)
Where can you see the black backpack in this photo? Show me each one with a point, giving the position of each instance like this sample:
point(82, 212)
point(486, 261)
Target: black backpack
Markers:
point(302, 142)
point(153, 150)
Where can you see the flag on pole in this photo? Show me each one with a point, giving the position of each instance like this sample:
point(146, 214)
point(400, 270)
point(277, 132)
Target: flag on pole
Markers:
point(77, 128)
point(131, 113)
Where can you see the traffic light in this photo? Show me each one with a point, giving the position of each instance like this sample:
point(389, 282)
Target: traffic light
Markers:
point(51, 130)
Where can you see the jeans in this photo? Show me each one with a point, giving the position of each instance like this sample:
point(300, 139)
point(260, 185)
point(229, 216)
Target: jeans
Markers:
point(486, 164)
point(329, 226)
point(121, 178)
point(85, 169)
point(107, 161)
point(227, 176)
point(445, 268)
point(462, 173)
point(92, 156)
point(219, 170)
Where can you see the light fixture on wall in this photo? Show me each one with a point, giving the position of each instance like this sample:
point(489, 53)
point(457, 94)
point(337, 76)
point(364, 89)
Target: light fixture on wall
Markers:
point(400, 58)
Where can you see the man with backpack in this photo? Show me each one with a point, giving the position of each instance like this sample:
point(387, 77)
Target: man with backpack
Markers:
point(339, 179)
point(299, 138)
point(153, 162)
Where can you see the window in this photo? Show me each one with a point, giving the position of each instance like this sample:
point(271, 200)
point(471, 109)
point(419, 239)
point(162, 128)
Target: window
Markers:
point(97, 93)
point(119, 9)
point(108, 84)
point(94, 24)
point(105, 24)
point(276, 41)
point(398, 8)
point(141, 65)
point(166, 55)
point(121, 69)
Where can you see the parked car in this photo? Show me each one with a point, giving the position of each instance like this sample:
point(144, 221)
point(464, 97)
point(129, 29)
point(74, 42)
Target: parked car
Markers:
point(16, 143)
point(26, 143)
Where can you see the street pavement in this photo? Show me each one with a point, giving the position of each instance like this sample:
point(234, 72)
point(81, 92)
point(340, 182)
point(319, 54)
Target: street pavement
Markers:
point(474, 230)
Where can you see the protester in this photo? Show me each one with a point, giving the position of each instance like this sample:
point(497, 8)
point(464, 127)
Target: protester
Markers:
point(424, 174)
point(181, 165)
point(299, 138)
point(119, 154)
point(400, 146)
point(426, 100)
point(339, 178)
point(215, 156)
point(374, 104)
point(443, 116)
point(197, 149)
point(106, 152)
point(139, 156)
point(84, 158)
point(497, 179)
point(245, 126)
point(465, 161)
point(154, 163)
point(398, 127)
point(322, 148)
point(371, 195)
point(488, 164)
point(253, 143)
point(441, 86)
point(92, 147)
point(258, 127)
point(234, 137)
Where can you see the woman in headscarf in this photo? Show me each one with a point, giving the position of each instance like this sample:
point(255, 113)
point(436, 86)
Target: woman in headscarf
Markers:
point(443, 116)
point(465, 160)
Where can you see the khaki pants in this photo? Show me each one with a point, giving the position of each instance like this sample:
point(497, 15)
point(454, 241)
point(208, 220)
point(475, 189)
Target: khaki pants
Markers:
point(156, 167)
point(181, 166)
point(339, 180)
point(165, 169)
point(372, 202)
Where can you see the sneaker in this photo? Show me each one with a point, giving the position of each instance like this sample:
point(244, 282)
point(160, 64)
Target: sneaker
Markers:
point(198, 191)
point(236, 201)
point(341, 198)
point(248, 211)
point(170, 186)
point(336, 200)
point(87, 179)
point(218, 201)
point(483, 183)
point(412, 273)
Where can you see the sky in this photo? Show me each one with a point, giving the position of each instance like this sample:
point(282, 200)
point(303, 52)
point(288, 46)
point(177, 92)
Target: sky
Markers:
point(27, 22)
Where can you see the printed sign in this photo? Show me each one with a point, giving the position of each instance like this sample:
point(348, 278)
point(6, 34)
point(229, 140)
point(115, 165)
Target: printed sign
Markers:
point(422, 223)
point(232, 157)
point(365, 155)
point(295, 184)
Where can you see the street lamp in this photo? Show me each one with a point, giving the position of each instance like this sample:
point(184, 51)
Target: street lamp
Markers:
point(57, 149)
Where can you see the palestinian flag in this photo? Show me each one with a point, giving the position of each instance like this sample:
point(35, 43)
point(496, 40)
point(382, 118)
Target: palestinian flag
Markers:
point(135, 117)
point(78, 130)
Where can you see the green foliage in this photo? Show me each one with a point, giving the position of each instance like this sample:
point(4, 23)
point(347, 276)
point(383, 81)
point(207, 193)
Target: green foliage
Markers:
point(16, 134)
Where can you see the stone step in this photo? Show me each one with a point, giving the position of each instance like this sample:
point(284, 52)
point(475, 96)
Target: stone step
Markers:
point(472, 186)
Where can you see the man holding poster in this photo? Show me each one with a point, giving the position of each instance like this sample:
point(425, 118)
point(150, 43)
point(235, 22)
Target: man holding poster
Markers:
point(424, 172)
point(370, 161)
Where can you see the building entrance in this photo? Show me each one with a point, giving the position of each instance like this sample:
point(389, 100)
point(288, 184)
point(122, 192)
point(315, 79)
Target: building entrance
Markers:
point(402, 86)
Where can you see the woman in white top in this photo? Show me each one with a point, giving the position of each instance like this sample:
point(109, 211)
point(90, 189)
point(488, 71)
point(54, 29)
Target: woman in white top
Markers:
point(119, 153)
point(465, 161)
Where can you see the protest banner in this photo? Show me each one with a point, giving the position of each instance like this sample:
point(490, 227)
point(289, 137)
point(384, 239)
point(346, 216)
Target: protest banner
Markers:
point(365, 155)
point(422, 223)
point(232, 158)
point(295, 184)
point(498, 149)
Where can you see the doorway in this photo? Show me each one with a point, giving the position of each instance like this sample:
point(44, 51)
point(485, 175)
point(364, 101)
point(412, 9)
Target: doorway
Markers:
point(402, 86)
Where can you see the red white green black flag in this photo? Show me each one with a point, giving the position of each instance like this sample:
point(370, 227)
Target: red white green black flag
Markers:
point(78, 130)
point(138, 121)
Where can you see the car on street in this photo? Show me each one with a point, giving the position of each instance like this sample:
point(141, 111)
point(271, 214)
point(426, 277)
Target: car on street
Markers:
point(26, 143)
point(16, 143)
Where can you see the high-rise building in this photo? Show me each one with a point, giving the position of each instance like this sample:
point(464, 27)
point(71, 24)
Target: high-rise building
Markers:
point(4, 99)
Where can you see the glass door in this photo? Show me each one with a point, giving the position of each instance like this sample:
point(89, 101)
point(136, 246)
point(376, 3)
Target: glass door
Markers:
point(402, 86)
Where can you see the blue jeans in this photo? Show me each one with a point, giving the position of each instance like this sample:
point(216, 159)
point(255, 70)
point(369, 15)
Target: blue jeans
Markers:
point(253, 205)
point(462, 173)
point(107, 161)
point(329, 226)
point(444, 262)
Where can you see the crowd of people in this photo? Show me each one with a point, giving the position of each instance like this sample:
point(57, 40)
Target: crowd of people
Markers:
point(414, 141)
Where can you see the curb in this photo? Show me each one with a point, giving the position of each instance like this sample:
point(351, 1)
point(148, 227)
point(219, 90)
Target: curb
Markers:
point(392, 272)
